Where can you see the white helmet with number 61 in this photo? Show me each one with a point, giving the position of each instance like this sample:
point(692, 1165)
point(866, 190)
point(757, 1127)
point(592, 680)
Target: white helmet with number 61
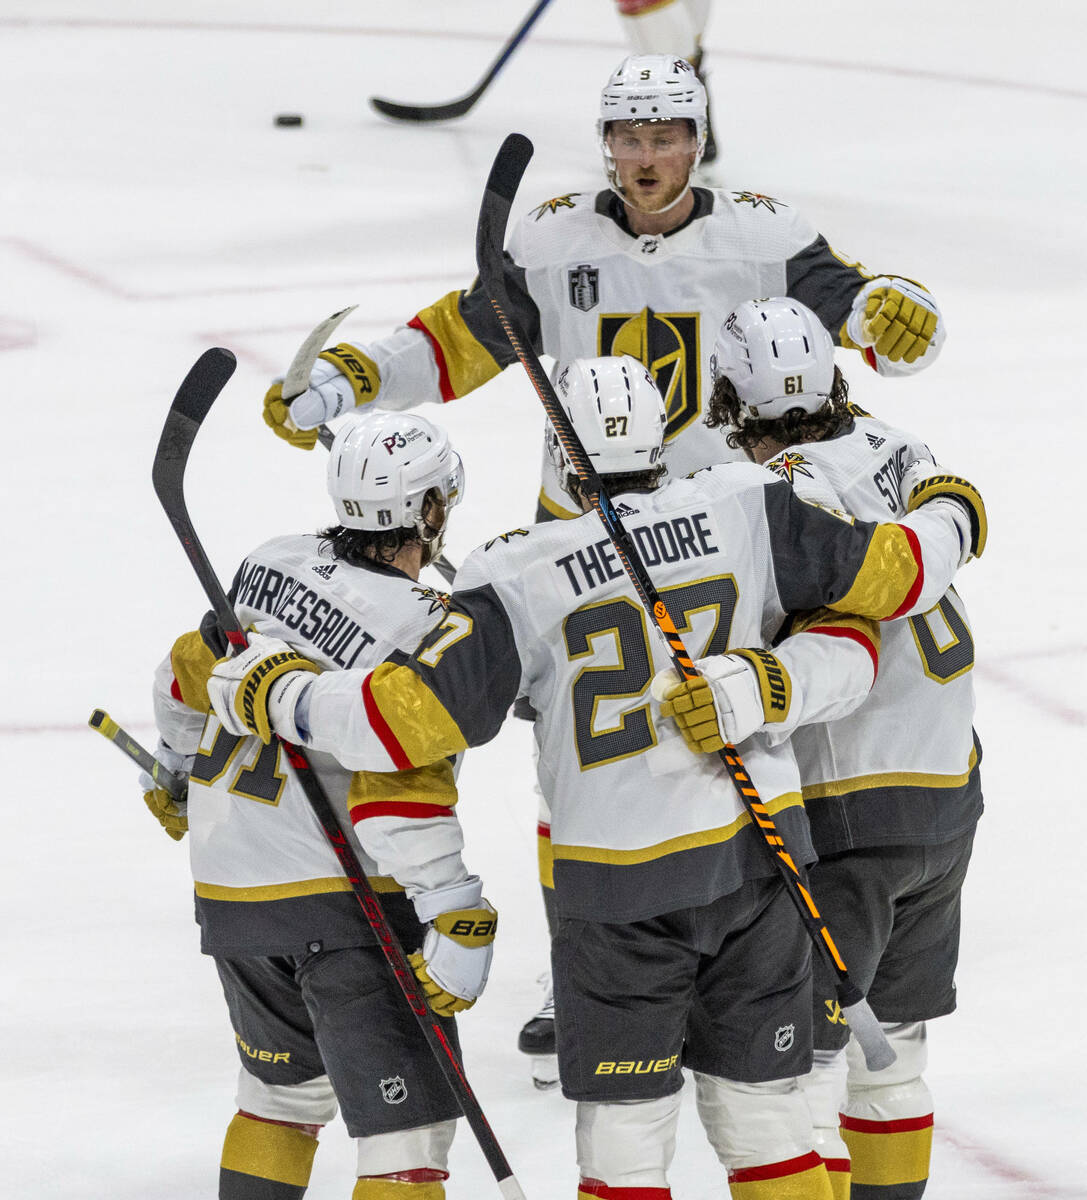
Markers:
point(617, 412)
point(777, 355)
point(384, 468)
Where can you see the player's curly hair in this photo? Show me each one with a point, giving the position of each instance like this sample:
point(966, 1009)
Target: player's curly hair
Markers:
point(621, 481)
point(795, 426)
point(357, 547)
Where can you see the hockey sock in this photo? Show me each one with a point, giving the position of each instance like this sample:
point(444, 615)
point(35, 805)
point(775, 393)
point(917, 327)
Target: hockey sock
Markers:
point(593, 1189)
point(266, 1160)
point(803, 1178)
point(890, 1159)
point(422, 1184)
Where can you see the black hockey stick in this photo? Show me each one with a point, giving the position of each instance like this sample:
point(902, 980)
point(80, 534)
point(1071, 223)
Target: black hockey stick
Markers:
point(509, 166)
point(457, 108)
point(191, 405)
point(127, 744)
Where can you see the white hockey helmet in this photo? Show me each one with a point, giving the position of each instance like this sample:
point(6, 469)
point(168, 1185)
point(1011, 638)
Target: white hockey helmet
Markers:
point(778, 356)
point(652, 87)
point(617, 412)
point(383, 464)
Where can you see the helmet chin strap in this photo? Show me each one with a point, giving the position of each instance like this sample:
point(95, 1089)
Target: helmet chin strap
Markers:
point(654, 212)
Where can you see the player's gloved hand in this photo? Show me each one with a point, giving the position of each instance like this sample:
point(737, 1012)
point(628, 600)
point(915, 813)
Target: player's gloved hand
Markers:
point(896, 317)
point(342, 378)
point(256, 692)
point(456, 956)
point(924, 482)
point(277, 416)
point(723, 704)
point(171, 814)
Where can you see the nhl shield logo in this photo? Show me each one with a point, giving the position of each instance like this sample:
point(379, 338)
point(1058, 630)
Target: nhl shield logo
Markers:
point(584, 287)
point(783, 1039)
point(394, 1091)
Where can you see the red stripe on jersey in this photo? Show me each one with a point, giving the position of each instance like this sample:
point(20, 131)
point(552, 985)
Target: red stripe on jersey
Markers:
point(543, 831)
point(175, 691)
point(918, 583)
point(778, 1170)
point(398, 808)
point(904, 1125)
point(854, 635)
point(444, 385)
point(380, 726)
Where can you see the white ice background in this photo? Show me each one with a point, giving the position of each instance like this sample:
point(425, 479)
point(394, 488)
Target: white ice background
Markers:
point(150, 208)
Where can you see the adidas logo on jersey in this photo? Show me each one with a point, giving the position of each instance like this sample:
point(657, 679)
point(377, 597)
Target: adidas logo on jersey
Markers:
point(873, 441)
point(324, 570)
point(624, 510)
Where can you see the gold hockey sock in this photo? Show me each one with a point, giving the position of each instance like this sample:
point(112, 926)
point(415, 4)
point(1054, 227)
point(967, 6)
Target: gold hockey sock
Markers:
point(803, 1178)
point(890, 1158)
point(266, 1160)
point(422, 1184)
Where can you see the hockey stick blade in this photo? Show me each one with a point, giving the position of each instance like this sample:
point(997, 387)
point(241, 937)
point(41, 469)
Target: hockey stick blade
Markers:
point(420, 113)
point(101, 721)
point(505, 176)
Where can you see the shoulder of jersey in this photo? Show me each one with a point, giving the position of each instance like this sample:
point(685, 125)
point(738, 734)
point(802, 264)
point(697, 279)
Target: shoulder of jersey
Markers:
point(564, 226)
point(780, 229)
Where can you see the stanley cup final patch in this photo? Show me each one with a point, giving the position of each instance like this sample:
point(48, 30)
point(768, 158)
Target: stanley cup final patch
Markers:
point(584, 287)
point(394, 1091)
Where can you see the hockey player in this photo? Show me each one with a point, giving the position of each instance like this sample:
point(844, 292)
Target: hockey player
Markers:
point(893, 793)
point(318, 1020)
point(677, 943)
point(675, 28)
point(649, 266)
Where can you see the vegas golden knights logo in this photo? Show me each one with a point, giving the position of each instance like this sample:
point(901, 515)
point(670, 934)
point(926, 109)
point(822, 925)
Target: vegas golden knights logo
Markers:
point(668, 345)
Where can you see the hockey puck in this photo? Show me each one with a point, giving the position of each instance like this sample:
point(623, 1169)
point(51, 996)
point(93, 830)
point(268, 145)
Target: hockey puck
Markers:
point(289, 119)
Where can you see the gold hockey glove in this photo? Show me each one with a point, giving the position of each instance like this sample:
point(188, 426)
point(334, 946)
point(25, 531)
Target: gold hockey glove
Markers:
point(277, 416)
point(171, 815)
point(898, 318)
point(455, 960)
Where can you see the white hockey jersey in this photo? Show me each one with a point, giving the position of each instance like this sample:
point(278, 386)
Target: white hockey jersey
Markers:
point(639, 824)
point(581, 283)
point(266, 879)
point(902, 769)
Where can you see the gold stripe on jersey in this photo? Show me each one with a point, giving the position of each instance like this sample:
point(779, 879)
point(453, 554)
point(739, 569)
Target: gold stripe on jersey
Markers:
point(191, 661)
point(468, 362)
point(413, 716)
point(432, 784)
point(888, 577)
point(290, 891)
point(890, 779)
point(865, 626)
point(556, 509)
point(686, 841)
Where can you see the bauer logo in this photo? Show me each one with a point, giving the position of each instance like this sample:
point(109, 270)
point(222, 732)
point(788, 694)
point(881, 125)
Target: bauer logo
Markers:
point(783, 1039)
point(394, 1091)
point(641, 1066)
point(584, 287)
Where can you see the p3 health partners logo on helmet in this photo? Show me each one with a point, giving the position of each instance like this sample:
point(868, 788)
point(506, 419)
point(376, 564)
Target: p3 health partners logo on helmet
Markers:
point(393, 1091)
point(668, 345)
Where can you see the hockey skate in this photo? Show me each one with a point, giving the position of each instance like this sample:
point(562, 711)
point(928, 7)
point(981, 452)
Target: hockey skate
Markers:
point(537, 1039)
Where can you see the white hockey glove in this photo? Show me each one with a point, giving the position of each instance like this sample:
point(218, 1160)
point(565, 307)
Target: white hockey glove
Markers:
point(923, 482)
point(171, 814)
point(257, 691)
point(898, 318)
point(342, 378)
point(456, 956)
point(723, 705)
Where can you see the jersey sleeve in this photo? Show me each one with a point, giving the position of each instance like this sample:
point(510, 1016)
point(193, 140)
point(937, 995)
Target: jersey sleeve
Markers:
point(827, 283)
point(179, 692)
point(400, 716)
point(880, 570)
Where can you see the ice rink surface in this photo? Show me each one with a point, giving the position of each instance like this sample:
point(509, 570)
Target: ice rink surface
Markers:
point(151, 209)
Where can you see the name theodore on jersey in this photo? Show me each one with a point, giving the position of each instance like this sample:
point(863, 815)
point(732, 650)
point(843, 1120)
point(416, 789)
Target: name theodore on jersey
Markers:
point(662, 542)
point(303, 611)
